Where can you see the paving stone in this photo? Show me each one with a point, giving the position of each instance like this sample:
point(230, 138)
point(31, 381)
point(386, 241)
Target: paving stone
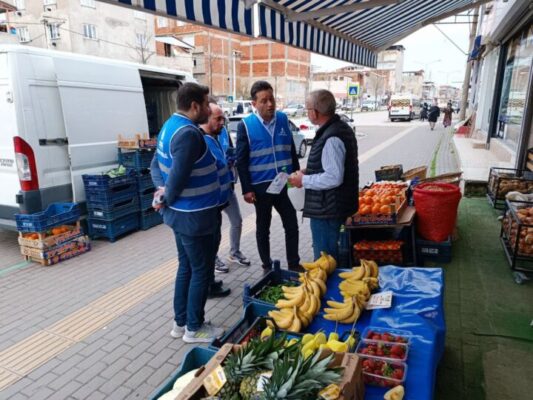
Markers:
point(88, 388)
point(121, 393)
point(140, 376)
point(115, 382)
point(115, 367)
point(66, 391)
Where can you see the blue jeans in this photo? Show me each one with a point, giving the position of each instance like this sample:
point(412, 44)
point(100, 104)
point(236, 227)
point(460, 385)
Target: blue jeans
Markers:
point(325, 233)
point(195, 272)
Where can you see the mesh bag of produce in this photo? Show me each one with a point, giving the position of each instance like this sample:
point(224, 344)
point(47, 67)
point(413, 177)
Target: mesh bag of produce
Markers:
point(436, 208)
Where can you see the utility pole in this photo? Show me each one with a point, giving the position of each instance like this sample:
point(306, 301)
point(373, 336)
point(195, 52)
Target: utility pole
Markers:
point(468, 70)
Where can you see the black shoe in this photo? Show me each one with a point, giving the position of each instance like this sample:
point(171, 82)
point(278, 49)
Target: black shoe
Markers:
point(217, 283)
point(221, 291)
point(296, 268)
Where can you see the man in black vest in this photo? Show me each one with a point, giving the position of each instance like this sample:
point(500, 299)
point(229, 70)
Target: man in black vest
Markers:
point(331, 179)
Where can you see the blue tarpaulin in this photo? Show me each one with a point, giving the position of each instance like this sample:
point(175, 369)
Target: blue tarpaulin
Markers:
point(417, 307)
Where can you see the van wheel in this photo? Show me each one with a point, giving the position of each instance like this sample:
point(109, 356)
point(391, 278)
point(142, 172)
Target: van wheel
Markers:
point(303, 149)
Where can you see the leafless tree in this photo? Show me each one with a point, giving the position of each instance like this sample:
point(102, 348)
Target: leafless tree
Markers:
point(143, 49)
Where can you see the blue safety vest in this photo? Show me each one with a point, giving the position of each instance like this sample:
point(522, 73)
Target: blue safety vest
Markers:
point(202, 190)
point(268, 154)
point(223, 139)
point(224, 174)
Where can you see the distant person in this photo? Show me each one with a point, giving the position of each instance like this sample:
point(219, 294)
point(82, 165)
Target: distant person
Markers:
point(424, 112)
point(448, 111)
point(239, 109)
point(265, 148)
point(433, 114)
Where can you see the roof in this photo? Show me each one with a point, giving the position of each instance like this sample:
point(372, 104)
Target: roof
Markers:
point(6, 6)
point(349, 30)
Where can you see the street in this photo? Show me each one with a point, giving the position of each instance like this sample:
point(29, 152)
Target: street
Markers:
point(97, 326)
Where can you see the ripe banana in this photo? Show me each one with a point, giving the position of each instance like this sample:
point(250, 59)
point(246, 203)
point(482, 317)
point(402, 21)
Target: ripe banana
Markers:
point(339, 314)
point(355, 315)
point(373, 283)
point(296, 325)
point(332, 263)
point(295, 301)
point(310, 266)
point(355, 274)
point(318, 274)
point(282, 321)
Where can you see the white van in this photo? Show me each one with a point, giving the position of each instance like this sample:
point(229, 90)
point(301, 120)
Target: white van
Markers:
point(61, 114)
point(404, 106)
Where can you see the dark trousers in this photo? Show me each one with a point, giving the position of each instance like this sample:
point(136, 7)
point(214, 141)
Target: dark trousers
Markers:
point(195, 273)
point(263, 210)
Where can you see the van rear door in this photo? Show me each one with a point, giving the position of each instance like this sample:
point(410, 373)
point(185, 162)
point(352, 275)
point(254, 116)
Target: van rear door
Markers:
point(400, 108)
point(8, 169)
point(100, 101)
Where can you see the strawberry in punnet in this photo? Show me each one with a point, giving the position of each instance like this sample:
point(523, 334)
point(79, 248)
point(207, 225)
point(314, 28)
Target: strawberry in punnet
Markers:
point(398, 374)
point(398, 351)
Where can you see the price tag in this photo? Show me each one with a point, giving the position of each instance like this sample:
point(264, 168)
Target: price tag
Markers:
point(262, 381)
point(278, 183)
point(215, 380)
point(380, 300)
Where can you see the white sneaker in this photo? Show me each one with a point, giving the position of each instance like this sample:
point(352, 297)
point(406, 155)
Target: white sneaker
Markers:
point(177, 331)
point(206, 334)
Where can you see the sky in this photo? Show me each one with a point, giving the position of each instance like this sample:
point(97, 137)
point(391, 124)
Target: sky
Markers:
point(426, 48)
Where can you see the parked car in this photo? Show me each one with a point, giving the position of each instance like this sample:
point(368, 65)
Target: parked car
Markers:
point(368, 105)
point(307, 129)
point(294, 110)
point(299, 139)
point(348, 120)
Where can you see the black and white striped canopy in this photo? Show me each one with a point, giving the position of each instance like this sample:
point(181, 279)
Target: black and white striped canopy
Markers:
point(349, 30)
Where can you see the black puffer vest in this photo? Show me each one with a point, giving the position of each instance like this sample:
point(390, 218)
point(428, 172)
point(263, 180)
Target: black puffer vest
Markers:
point(342, 201)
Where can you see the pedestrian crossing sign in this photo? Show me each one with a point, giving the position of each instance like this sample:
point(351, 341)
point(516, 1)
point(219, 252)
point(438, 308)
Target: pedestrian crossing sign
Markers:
point(353, 90)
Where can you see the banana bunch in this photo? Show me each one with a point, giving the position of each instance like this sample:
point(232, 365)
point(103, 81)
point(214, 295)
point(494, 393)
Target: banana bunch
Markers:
point(301, 303)
point(326, 263)
point(356, 289)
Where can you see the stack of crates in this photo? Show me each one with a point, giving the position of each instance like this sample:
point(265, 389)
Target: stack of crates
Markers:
point(112, 205)
point(139, 161)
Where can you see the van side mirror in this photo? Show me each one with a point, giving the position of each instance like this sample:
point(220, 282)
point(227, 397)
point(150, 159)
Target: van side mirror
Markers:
point(351, 119)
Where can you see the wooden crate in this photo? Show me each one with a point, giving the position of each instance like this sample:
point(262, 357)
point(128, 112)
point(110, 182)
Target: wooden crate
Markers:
point(44, 242)
point(351, 384)
point(82, 248)
point(139, 142)
point(380, 219)
point(50, 252)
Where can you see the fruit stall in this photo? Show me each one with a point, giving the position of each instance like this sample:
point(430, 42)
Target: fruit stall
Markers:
point(367, 332)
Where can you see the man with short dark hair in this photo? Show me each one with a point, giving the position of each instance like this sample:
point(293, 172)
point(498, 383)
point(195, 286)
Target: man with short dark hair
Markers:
point(331, 179)
point(187, 174)
point(265, 148)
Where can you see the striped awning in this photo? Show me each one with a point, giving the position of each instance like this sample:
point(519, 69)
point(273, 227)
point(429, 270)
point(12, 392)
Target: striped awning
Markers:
point(351, 30)
point(230, 15)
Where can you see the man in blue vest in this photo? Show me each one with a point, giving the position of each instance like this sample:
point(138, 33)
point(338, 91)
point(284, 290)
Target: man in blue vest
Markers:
point(265, 148)
point(187, 170)
point(219, 142)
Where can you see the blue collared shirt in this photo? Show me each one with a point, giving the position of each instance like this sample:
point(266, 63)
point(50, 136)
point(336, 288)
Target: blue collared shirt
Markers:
point(268, 125)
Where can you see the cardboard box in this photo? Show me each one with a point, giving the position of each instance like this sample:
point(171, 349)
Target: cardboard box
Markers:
point(351, 384)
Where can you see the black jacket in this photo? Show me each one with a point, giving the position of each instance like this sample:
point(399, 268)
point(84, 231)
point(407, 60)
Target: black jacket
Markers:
point(342, 201)
point(434, 113)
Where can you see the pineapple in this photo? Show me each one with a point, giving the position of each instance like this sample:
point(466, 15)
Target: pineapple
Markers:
point(298, 378)
point(256, 355)
point(248, 387)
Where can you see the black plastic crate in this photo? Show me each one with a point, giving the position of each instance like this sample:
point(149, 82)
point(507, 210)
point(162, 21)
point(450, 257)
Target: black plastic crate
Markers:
point(275, 277)
point(109, 198)
point(389, 173)
point(136, 159)
point(110, 212)
point(144, 182)
point(112, 230)
point(149, 219)
point(434, 251)
point(104, 182)
point(249, 326)
point(145, 199)
point(504, 180)
point(55, 214)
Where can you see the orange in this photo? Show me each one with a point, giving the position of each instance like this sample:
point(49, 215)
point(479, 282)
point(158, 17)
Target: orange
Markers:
point(384, 209)
point(376, 208)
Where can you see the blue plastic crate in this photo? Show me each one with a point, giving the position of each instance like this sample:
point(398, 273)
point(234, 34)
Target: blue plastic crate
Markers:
point(252, 318)
point(274, 277)
point(55, 214)
point(149, 219)
point(136, 159)
point(110, 212)
point(104, 182)
point(197, 357)
point(440, 252)
point(113, 229)
point(109, 198)
point(144, 182)
point(145, 201)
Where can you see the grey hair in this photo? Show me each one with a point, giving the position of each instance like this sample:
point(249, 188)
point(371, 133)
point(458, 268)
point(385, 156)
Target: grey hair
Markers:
point(323, 101)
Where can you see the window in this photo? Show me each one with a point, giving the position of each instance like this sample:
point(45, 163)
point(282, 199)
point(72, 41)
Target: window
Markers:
point(88, 3)
point(139, 15)
point(53, 31)
point(162, 22)
point(141, 40)
point(168, 50)
point(89, 31)
point(23, 34)
point(20, 4)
